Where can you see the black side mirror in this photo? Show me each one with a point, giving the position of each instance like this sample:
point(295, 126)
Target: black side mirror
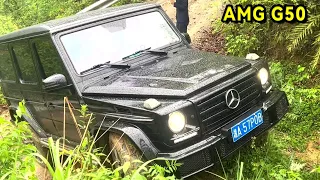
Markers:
point(187, 36)
point(56, 81)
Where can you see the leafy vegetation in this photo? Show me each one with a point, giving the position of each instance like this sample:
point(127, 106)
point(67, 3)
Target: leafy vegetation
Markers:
point(285, 41)
point(123, 2)
point(293, 146)
point(18, 157)
point(22, 13)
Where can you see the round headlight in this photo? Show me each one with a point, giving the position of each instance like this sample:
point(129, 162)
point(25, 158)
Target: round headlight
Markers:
point(263, 76)
point(176, 121)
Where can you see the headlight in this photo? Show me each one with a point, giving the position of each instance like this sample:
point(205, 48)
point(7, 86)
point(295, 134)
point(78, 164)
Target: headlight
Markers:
point(263, 76)
point(176, 121)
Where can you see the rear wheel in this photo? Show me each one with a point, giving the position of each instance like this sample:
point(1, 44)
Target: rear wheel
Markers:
point(123, 150)
point(36, 142)
point(43, 151)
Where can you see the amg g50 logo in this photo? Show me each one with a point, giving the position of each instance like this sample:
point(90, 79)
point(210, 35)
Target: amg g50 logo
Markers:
point(258, 13)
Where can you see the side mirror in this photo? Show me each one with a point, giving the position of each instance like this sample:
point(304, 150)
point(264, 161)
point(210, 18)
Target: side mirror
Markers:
point(56, 81)
point(187, 36)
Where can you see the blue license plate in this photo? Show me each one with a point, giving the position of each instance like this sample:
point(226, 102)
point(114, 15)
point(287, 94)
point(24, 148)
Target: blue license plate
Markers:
point(245, 126)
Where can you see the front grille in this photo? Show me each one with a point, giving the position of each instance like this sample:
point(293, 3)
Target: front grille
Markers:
point(214, 111)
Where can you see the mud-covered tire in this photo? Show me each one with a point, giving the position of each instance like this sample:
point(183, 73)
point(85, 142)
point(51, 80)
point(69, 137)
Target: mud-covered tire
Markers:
point(123, 150)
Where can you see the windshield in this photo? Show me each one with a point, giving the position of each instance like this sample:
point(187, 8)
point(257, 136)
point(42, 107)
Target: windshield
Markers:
point(115, 40)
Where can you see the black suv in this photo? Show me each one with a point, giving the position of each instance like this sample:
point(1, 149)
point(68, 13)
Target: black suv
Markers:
point(143, 82)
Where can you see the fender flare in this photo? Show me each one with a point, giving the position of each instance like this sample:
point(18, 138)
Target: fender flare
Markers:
point(135, 134)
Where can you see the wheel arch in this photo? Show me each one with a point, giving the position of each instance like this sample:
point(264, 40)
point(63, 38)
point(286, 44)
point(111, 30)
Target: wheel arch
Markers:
point(134, 134)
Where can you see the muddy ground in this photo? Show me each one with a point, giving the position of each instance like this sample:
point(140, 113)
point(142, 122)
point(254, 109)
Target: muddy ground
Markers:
point(202, 14)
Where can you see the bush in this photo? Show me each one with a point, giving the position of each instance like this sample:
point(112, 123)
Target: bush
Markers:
point(16, 159)
point(303, 118)
point(274, 40)
point(28, 12)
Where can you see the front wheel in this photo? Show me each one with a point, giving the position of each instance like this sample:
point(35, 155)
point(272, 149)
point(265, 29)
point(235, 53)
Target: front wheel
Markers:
point(123, 150)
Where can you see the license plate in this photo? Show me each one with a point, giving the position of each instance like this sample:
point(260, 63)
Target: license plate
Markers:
point(245, 126)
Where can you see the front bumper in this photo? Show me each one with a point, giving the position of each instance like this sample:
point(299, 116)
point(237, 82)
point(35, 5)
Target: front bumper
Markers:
point(207, 152)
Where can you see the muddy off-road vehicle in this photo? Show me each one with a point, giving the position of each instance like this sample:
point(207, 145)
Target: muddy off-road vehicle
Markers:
point(144, 84)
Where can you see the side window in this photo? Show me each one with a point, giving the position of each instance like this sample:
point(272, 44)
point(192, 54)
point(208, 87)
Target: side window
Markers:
point(22, 53)
point(50, 60)
point(6, 66)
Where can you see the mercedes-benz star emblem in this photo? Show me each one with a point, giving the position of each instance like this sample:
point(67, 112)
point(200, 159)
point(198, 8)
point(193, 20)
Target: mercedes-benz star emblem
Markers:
point(232, 98)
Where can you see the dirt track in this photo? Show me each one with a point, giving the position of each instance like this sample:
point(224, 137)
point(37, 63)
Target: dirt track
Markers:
point(202, 13)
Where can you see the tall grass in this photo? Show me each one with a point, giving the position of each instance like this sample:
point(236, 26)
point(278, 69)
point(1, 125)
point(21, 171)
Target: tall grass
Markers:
point(88, 162)
point(16, 159)
point(85, 161)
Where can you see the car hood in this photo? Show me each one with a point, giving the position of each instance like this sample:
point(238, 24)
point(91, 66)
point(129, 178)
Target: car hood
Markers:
point(177, 75)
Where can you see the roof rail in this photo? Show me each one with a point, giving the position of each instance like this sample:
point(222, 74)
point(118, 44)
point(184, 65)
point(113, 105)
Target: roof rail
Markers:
point(98, 5)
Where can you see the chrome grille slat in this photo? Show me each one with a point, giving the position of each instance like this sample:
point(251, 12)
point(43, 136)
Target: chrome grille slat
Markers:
point(209, 99)
point(226, 109)
point(225, 120)
point(213, 109)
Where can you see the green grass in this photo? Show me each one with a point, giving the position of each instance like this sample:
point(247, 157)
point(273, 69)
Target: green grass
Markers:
point(18, 157)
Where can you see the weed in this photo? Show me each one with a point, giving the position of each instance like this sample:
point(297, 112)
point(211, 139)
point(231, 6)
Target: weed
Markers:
point(86, 162)
point(16, 159)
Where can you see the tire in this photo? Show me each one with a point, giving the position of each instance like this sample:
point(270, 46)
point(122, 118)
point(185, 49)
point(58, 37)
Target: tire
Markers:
point(123, 150)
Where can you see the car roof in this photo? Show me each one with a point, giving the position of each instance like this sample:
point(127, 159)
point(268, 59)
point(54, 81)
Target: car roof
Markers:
point(76, 20)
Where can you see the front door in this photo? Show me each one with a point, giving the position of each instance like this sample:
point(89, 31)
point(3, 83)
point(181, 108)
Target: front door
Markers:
point(30, 85)
point(50, 63)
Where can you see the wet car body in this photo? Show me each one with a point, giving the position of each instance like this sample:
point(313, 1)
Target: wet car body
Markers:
point(193, 82)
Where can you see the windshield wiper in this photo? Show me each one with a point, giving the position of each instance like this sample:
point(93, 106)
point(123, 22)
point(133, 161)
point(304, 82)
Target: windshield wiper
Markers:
point(97, 66)
point(147, 50)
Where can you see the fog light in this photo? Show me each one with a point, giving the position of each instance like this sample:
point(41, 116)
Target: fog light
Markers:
point(263, 76)
point(176, 121)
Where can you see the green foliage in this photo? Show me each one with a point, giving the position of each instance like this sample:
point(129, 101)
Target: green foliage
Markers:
point(2, 100)
point(28, 12)
point(304, 34)
point(16, 159)
point(123, 2)
point(247, 44)
point(303, 118)
point(85, 162)
point(265, 162)
point(7, 24)
point(263, 39)
point(274, 40)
